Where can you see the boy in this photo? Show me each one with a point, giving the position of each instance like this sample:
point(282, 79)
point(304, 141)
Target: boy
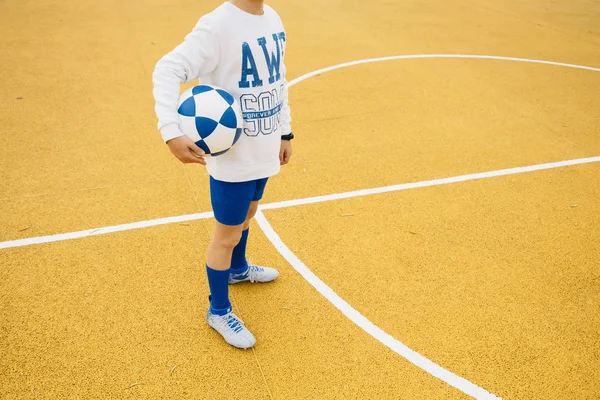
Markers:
point(239, 47)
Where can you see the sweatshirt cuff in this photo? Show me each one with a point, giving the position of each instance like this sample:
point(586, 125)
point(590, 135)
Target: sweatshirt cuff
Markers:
point(170, 131)
point(286, 129)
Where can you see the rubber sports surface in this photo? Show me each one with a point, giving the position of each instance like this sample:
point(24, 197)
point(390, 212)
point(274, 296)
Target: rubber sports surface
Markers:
point(492, 279)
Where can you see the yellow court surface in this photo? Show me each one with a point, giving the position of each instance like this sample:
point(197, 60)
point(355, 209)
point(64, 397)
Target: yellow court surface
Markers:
point(437, 231)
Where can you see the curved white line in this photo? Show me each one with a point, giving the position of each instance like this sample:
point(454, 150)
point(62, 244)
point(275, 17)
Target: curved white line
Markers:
point(422, 362)
point(356, 317)
point(417, 359)
point(422, 56)
point(190, 217)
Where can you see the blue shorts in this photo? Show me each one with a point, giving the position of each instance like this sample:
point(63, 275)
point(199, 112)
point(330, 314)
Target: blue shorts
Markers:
point(231, 200)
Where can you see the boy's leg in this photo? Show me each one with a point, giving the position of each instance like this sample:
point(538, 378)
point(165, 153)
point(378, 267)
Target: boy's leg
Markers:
point(230, 202)
point(240, 271)
point(239, 264)
point(251, 213)
point(220, 248)
point(218, 258)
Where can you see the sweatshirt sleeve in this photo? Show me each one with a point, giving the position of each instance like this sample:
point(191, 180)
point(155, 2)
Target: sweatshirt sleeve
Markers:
point(286, 115)
point(198, 55)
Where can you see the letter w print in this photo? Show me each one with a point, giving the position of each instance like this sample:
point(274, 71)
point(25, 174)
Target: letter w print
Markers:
point(261, 112)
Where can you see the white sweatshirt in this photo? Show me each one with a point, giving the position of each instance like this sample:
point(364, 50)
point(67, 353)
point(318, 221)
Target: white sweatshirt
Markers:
point(243, 54)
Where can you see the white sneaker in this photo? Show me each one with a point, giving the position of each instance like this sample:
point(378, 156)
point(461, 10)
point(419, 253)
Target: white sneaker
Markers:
point(254, 273)
point(232, 328)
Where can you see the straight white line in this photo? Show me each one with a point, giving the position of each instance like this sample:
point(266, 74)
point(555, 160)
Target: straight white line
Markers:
point(422, 56)
point(412, 356)
point(104, 230)
point(168, 220)
point(291, 203)
point(434, 182)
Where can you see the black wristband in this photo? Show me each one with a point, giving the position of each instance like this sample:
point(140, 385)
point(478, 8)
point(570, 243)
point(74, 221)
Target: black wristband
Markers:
point(289, 136)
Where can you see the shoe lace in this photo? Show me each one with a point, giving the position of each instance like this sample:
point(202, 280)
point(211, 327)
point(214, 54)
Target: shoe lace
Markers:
point(253, 270)
point(232, 322)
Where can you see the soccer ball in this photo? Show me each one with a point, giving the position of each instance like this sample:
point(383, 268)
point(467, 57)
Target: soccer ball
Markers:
point(211, 117)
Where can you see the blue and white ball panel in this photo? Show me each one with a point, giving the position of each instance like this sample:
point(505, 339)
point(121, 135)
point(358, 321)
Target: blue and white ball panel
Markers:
point(211, 117)
point(220, 141)
point(229, 119)
point(210, 104)
point(187, 108)
point(228, 98)
point(201, 89)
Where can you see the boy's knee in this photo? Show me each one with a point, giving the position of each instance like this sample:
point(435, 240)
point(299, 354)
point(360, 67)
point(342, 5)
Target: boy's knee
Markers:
point(228, 239)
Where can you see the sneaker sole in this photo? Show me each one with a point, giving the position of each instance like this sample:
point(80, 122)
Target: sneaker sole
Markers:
point(233, 283)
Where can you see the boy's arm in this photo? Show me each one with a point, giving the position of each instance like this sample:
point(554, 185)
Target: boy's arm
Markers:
point(198, 55)
point(285, 152)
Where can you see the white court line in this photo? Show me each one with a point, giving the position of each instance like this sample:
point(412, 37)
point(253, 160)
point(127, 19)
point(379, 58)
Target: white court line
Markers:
point(434, 182)
point(420, 361)
point(103, 231)
point(291, 203)
point(423, 56)
point(168, 220)
point(412, 356)
point(356, 317)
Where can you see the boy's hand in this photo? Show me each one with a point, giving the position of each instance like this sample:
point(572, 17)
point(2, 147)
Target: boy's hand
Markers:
point(285, 152)
point(186, 150)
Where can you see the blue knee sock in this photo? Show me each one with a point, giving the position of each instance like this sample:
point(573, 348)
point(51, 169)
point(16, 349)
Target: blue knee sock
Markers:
point(218, 281)
point(239, 265)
